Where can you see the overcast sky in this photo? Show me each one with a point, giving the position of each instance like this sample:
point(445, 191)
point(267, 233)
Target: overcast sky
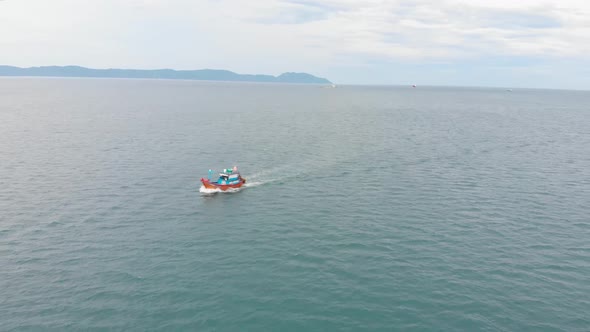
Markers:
point(510, 43)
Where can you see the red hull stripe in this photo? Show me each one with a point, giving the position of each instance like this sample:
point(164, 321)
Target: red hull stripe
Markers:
point(210, 185)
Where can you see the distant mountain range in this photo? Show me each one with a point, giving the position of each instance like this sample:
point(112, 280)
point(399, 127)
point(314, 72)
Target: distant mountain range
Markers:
point(202, 74)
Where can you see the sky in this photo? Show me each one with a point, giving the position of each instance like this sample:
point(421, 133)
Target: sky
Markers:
point(504, 43)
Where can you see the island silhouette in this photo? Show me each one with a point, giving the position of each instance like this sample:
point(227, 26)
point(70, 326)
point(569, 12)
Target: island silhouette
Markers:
point(201, 74)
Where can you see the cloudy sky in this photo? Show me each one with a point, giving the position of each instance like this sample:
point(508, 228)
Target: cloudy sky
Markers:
point(510, 43)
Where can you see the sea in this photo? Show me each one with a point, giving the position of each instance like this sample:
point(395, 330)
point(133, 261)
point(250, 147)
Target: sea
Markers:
point(367, 208)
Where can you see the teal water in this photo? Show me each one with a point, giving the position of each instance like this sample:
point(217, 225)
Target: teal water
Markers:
point(367, 209)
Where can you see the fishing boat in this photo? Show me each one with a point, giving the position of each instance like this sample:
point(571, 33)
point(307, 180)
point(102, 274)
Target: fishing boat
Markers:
point(229, 178)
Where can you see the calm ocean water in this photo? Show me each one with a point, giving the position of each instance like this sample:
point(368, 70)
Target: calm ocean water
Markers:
point(368, 208)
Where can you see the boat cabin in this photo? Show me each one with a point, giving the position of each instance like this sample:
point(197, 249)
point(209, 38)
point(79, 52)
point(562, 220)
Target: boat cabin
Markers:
point(229, 176)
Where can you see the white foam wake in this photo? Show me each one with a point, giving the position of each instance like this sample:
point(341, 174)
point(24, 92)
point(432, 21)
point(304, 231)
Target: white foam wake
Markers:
point(267, 176)
point(251, 184)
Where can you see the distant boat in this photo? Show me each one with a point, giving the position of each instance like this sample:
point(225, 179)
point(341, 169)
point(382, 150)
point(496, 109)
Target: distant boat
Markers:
point(413, 85)
point(509, 90)
point(230, 178)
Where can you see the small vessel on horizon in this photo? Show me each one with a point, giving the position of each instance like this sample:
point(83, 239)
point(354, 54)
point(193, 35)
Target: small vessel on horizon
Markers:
point(230, 178)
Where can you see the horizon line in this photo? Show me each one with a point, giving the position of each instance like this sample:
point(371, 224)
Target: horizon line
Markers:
point(263, 82)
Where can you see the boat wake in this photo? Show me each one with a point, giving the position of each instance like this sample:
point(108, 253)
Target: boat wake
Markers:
point(254, 183)
point(272, 175)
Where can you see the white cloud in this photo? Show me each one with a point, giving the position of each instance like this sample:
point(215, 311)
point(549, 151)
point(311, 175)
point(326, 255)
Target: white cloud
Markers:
point(451, 29)
point(271, 36)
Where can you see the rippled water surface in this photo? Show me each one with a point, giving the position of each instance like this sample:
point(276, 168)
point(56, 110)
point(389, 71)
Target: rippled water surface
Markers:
point(368, 208)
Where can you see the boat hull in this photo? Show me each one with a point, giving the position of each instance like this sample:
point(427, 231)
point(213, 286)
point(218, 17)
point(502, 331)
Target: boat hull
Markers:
point(223, 187)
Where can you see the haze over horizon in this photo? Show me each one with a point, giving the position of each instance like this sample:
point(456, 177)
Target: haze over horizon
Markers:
point(536, 44)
